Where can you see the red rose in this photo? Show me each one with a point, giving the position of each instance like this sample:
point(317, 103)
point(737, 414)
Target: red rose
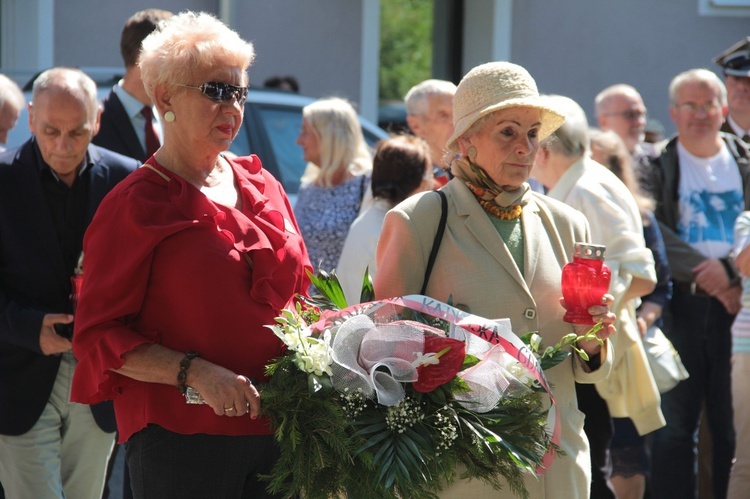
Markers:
point(451, 357)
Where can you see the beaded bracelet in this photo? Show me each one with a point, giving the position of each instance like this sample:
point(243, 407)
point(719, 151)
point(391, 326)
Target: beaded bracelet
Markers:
point(182, 375)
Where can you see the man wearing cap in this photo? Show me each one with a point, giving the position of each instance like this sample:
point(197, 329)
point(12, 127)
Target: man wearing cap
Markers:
point(735, 62)
point(429, 114)
point(701, 182)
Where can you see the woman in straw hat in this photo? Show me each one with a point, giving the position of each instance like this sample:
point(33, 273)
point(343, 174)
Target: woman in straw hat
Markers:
point(502, 251)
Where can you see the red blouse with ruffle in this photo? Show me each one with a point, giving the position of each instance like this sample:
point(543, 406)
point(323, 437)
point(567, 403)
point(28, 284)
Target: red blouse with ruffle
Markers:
point(164, 264)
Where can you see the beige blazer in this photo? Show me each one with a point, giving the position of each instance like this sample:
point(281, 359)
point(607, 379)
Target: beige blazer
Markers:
point(475, 268)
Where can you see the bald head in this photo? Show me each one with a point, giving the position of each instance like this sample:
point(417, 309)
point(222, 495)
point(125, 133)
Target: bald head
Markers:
point(64, 117)
point(620, 108)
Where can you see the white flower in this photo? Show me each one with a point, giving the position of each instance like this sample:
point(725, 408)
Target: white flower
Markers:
point(535, 342)
point(521, 373)
point(314, 355)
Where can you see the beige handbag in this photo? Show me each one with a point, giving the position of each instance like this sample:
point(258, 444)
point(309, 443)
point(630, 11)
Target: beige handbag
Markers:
point(665, 362)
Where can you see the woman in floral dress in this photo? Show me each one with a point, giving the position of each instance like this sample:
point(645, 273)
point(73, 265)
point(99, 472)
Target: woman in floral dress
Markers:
point(336, 181)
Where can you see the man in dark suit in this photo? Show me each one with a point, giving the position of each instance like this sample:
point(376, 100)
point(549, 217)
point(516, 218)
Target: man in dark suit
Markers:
point(129, 123)
point(735, 62)
point(50, 188)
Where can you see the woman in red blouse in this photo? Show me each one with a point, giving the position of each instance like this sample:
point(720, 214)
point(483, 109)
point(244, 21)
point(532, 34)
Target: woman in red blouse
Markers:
point(186, 262)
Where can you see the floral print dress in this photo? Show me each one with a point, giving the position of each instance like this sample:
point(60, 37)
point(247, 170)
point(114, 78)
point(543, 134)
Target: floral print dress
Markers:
point(324, 215)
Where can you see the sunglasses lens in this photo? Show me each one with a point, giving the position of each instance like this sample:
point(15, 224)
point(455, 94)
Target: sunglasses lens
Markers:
point(224, 92)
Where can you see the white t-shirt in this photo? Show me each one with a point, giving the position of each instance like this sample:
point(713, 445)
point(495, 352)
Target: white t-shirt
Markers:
point(710, 199)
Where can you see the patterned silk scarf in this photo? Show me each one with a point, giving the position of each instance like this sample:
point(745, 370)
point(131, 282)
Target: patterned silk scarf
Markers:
point(506, 205)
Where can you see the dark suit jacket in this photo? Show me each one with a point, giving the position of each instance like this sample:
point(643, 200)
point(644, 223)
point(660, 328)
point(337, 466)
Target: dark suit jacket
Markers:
point(34, 281)
point(116, 131)
point(726, 127)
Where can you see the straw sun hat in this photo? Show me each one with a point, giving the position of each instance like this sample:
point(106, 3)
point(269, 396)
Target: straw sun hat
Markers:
point(494, 86)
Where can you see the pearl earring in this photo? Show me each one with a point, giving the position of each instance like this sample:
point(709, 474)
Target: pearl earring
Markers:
point(169, 116)
point(472, 153)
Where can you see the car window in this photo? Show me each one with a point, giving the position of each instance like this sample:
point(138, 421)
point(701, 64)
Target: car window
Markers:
point(281, 127)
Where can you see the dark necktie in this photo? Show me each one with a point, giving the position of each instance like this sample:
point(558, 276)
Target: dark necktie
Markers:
point(152, 139)
point(746, 138)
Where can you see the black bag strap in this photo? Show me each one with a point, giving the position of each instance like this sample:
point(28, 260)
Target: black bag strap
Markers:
point(437, 241)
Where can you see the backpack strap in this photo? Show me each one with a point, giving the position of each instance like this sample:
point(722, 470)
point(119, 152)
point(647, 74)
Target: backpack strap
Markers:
point(437, 241)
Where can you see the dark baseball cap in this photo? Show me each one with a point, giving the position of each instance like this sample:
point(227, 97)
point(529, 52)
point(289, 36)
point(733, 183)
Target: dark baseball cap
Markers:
point(736, 59)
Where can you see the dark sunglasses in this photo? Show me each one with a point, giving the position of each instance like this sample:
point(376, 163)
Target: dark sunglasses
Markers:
point(221, 92)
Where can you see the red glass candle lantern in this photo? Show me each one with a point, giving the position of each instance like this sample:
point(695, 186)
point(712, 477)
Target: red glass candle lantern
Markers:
point(584, 281)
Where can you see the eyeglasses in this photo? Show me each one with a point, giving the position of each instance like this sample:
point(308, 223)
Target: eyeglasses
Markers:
point(692, 107)
point(221, 92)
point(630, 114)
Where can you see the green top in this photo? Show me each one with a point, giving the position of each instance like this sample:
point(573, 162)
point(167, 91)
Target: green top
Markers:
point(512, 233)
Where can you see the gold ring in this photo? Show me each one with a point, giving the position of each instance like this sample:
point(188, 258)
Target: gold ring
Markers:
point(228, 409)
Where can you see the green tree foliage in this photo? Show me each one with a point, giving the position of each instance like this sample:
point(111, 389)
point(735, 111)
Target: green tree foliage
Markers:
point(405, 46)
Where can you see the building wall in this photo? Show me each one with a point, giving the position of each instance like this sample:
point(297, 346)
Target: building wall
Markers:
point(320, 42)
point(577, 48)
point(87, 32)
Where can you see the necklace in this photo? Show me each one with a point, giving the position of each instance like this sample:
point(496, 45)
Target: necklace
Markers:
point(509, 213)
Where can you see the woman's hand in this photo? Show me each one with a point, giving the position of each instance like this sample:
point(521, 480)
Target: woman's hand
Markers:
point(228, 393)
point(598, 313)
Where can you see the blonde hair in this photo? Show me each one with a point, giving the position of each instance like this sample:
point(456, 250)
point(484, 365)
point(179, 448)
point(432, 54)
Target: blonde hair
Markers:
point(187, 43)
point(340, 141)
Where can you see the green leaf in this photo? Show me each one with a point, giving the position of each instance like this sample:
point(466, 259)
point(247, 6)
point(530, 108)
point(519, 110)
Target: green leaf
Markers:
point(329, 287)
point(373, 428)
point(470, 361)
point(368, 291)
point(378, 438)
point(551, 361)
point(458, 385)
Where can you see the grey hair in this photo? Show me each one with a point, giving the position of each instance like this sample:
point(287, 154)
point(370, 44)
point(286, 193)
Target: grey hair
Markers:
point(10, 94)
point(700, 75)
point(572, 138)
point(72, 81)
point(416, 97)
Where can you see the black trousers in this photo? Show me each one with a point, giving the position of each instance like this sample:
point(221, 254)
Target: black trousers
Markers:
point(165, 465)
point(599, 429)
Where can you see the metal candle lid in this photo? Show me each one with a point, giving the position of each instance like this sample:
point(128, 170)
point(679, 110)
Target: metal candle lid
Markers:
point(590, 251)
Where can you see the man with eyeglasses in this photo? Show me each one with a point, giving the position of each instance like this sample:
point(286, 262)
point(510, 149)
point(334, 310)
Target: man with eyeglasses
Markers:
point(701, 182)
point(620, 108)
point(735, 62)
point(429, 114)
